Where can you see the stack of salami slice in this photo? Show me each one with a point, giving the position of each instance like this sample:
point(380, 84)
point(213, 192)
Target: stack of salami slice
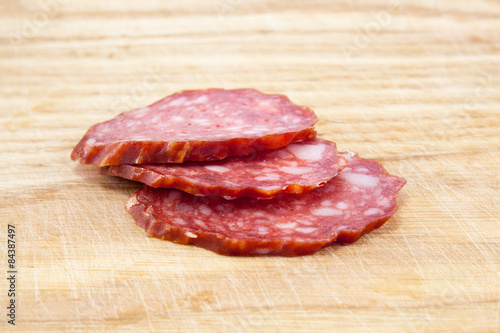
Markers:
point(239, 172)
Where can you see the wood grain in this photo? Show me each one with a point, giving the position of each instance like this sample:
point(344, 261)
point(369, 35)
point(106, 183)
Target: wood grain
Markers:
point(413, 83)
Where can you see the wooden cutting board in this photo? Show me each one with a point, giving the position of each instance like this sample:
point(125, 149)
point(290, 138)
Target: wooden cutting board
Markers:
point(415, 84)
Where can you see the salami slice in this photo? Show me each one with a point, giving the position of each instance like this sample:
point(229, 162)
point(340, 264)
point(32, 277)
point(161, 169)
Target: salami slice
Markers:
point(296, 168)
point(198, 125)
point(362, 197)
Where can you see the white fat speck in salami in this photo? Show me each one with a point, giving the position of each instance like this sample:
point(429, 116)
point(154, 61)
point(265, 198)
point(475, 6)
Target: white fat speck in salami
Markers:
point(216, 168)
point(201, 99)
point(262, 175)
point(198, 125)
point(361, 180)
point(269, 176)
point(177, 101)
point(326, 212)
point(372, 211)
point(307, 152)
point(204, 209)
point(297, 170)
point(306, 230)
point(287, 224)
point(342, 205)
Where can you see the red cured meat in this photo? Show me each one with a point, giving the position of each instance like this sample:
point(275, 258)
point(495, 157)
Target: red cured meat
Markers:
point(296, 168)
point(362, 197)
point(198, 125)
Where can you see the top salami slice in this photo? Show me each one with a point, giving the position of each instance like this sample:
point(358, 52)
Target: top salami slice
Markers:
point(201, 125)
point(297, 168)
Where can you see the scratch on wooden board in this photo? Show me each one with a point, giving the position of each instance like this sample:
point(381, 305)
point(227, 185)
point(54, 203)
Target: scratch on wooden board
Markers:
point(180, 269)
point(406, 319)
point(294, 290)
point(71, 276)
point(141, 295)
point(32, 235)
point(244, 273)
point(332, 251)
point(36, 289)
point(127, 293)
point(361, 320)
point(419, 267)
point(267, 297)
point(433, 239)
point(460, 223)
point(427, 313)
point(357, 256)
point(497, 319)
point(159, 286)
point(113, 294)
point(233, 285)
point(219, 303)
point(438, 246)
point(339, 302)
point(77, 311)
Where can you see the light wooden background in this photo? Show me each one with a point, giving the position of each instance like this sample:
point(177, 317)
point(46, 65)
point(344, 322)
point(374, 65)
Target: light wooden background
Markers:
point(412, 83)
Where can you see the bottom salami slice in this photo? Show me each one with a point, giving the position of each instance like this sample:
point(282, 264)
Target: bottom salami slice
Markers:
point(361, 198)
point(296, 168)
